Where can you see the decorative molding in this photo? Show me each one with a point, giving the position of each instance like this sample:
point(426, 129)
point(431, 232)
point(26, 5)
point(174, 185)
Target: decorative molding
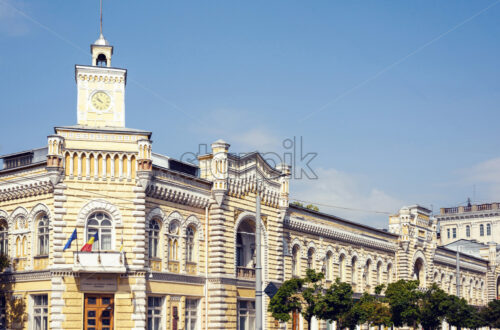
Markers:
point(338, 234)
point(178, 278)
point(25, 190)
point(99, 205)
point(180, 195)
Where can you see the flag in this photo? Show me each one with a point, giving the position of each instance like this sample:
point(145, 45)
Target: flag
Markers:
point(88, 246)
point(71, 239)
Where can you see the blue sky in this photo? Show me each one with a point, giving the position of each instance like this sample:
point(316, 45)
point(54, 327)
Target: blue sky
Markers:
point(398, 99)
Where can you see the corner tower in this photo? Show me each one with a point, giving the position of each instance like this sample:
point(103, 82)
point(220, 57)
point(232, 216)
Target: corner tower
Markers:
point(101, 89)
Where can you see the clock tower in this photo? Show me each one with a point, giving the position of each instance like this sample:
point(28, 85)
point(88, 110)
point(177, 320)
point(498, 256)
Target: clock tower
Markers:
point(101, 89)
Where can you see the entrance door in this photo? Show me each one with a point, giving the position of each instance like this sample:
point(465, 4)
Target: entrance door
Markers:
point(99, 310)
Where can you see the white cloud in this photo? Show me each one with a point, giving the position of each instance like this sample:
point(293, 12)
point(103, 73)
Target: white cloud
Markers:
point(12, 24)
point(346, 190)
point(486, 176)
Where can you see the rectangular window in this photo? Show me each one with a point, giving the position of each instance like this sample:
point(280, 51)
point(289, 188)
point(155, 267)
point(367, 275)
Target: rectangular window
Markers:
point(40, 312)
point(448, 231)
point(454, 232)
point(488, 229)
point(191, 314)
point(154, 312)
point(246, 315)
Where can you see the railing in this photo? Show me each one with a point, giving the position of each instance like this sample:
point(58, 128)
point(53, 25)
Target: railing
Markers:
point(243, 272)
point(191, 268)
point(155, 265)
point(484, 207)
point(99, 262)
point(467, 208)
point(173, 267)
point(451, 210)
point(19, 264)
point(40, 262)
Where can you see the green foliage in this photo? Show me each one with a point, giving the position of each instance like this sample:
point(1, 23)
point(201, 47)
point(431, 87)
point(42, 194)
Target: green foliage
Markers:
point(312, 207)
point(458, 312)
point(373, 310)
point(4, 262)
point(286, 300)
point(337, 301)
point(432, 307)
point(403, 298)
point(491, 314)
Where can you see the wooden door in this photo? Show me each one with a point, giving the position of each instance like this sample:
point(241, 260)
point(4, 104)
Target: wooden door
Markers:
point(99, 311)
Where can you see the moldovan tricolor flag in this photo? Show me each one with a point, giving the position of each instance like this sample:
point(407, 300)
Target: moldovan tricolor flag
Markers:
point(88, 246)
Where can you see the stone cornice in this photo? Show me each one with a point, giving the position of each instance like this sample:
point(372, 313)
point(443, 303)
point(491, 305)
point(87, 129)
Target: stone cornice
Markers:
point(468, 215)
point(25, 276)
point(179, 278)
point(178, 194)
point(338, 234)
point(25, 188)
point(451, 261)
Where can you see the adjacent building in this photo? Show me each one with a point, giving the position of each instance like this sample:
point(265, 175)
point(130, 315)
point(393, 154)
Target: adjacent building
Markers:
point(175, 244)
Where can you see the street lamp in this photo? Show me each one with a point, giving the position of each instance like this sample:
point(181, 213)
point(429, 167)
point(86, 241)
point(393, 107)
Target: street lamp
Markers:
point(258, 263)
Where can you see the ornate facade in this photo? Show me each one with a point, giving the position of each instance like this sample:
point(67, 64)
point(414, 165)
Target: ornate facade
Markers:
point(176, 242)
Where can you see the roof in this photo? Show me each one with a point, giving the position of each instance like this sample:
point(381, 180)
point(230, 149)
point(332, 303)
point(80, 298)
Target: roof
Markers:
point(106, 128)
point(339, 219)
point(38, 154)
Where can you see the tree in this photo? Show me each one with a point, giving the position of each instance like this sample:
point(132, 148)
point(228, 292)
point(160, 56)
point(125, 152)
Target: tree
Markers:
point(373, 310)
point(304, 295)
point(336, 302)
point(4, 262)
point(432, 307)
point(491, 314)
point(459, 313)
point(403, 298)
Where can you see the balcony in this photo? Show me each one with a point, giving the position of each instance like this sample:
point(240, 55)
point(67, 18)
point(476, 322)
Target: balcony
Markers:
point(245, 273)
point(99, 262)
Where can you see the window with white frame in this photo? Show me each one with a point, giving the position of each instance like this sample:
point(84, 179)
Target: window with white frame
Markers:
point(448, 232)
point(454, 232)
point(40, 312)
point(100, 223)
point(328, 266)
point(154, 312)
point(4, 238)
point(467, 231)
point(481, 230)
point(191, 317)
point(190, 257)
point(488, 229)
point(154, 238)
point(246, 315)
point(43, 235)
point(295, 260)
point(342, 267)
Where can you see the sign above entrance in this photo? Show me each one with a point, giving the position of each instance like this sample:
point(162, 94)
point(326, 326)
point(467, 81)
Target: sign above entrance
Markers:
point(99, 283)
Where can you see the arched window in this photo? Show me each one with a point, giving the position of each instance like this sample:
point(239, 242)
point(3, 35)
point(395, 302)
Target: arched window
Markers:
point(328, 266)
point(379, 273)
point(245, 244)
point(354, 270)
point(342, 267)
point(101, 60)
point(481, 230)
point(389, 273)
point(295, 260)
point(310, 258)
point(18, 247)
point(190, 257)
point(173, 240)
point(43, 235)
point(100, 223)
point(367, 273)
point(488, 229)
point(25, 248)
point(4, 238)
point(467, 230)
point(154, 238)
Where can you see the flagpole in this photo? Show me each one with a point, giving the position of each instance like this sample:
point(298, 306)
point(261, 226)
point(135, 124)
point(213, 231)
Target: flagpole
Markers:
point(77, 249)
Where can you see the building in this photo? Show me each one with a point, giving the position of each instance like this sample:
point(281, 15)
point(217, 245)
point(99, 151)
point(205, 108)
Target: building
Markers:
point(479, 222)
point(176, 242)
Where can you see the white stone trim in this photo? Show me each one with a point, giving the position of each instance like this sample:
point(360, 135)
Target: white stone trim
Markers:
point(99, 205)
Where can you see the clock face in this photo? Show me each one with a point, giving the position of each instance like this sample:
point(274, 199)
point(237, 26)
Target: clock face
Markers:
point(101, 101)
